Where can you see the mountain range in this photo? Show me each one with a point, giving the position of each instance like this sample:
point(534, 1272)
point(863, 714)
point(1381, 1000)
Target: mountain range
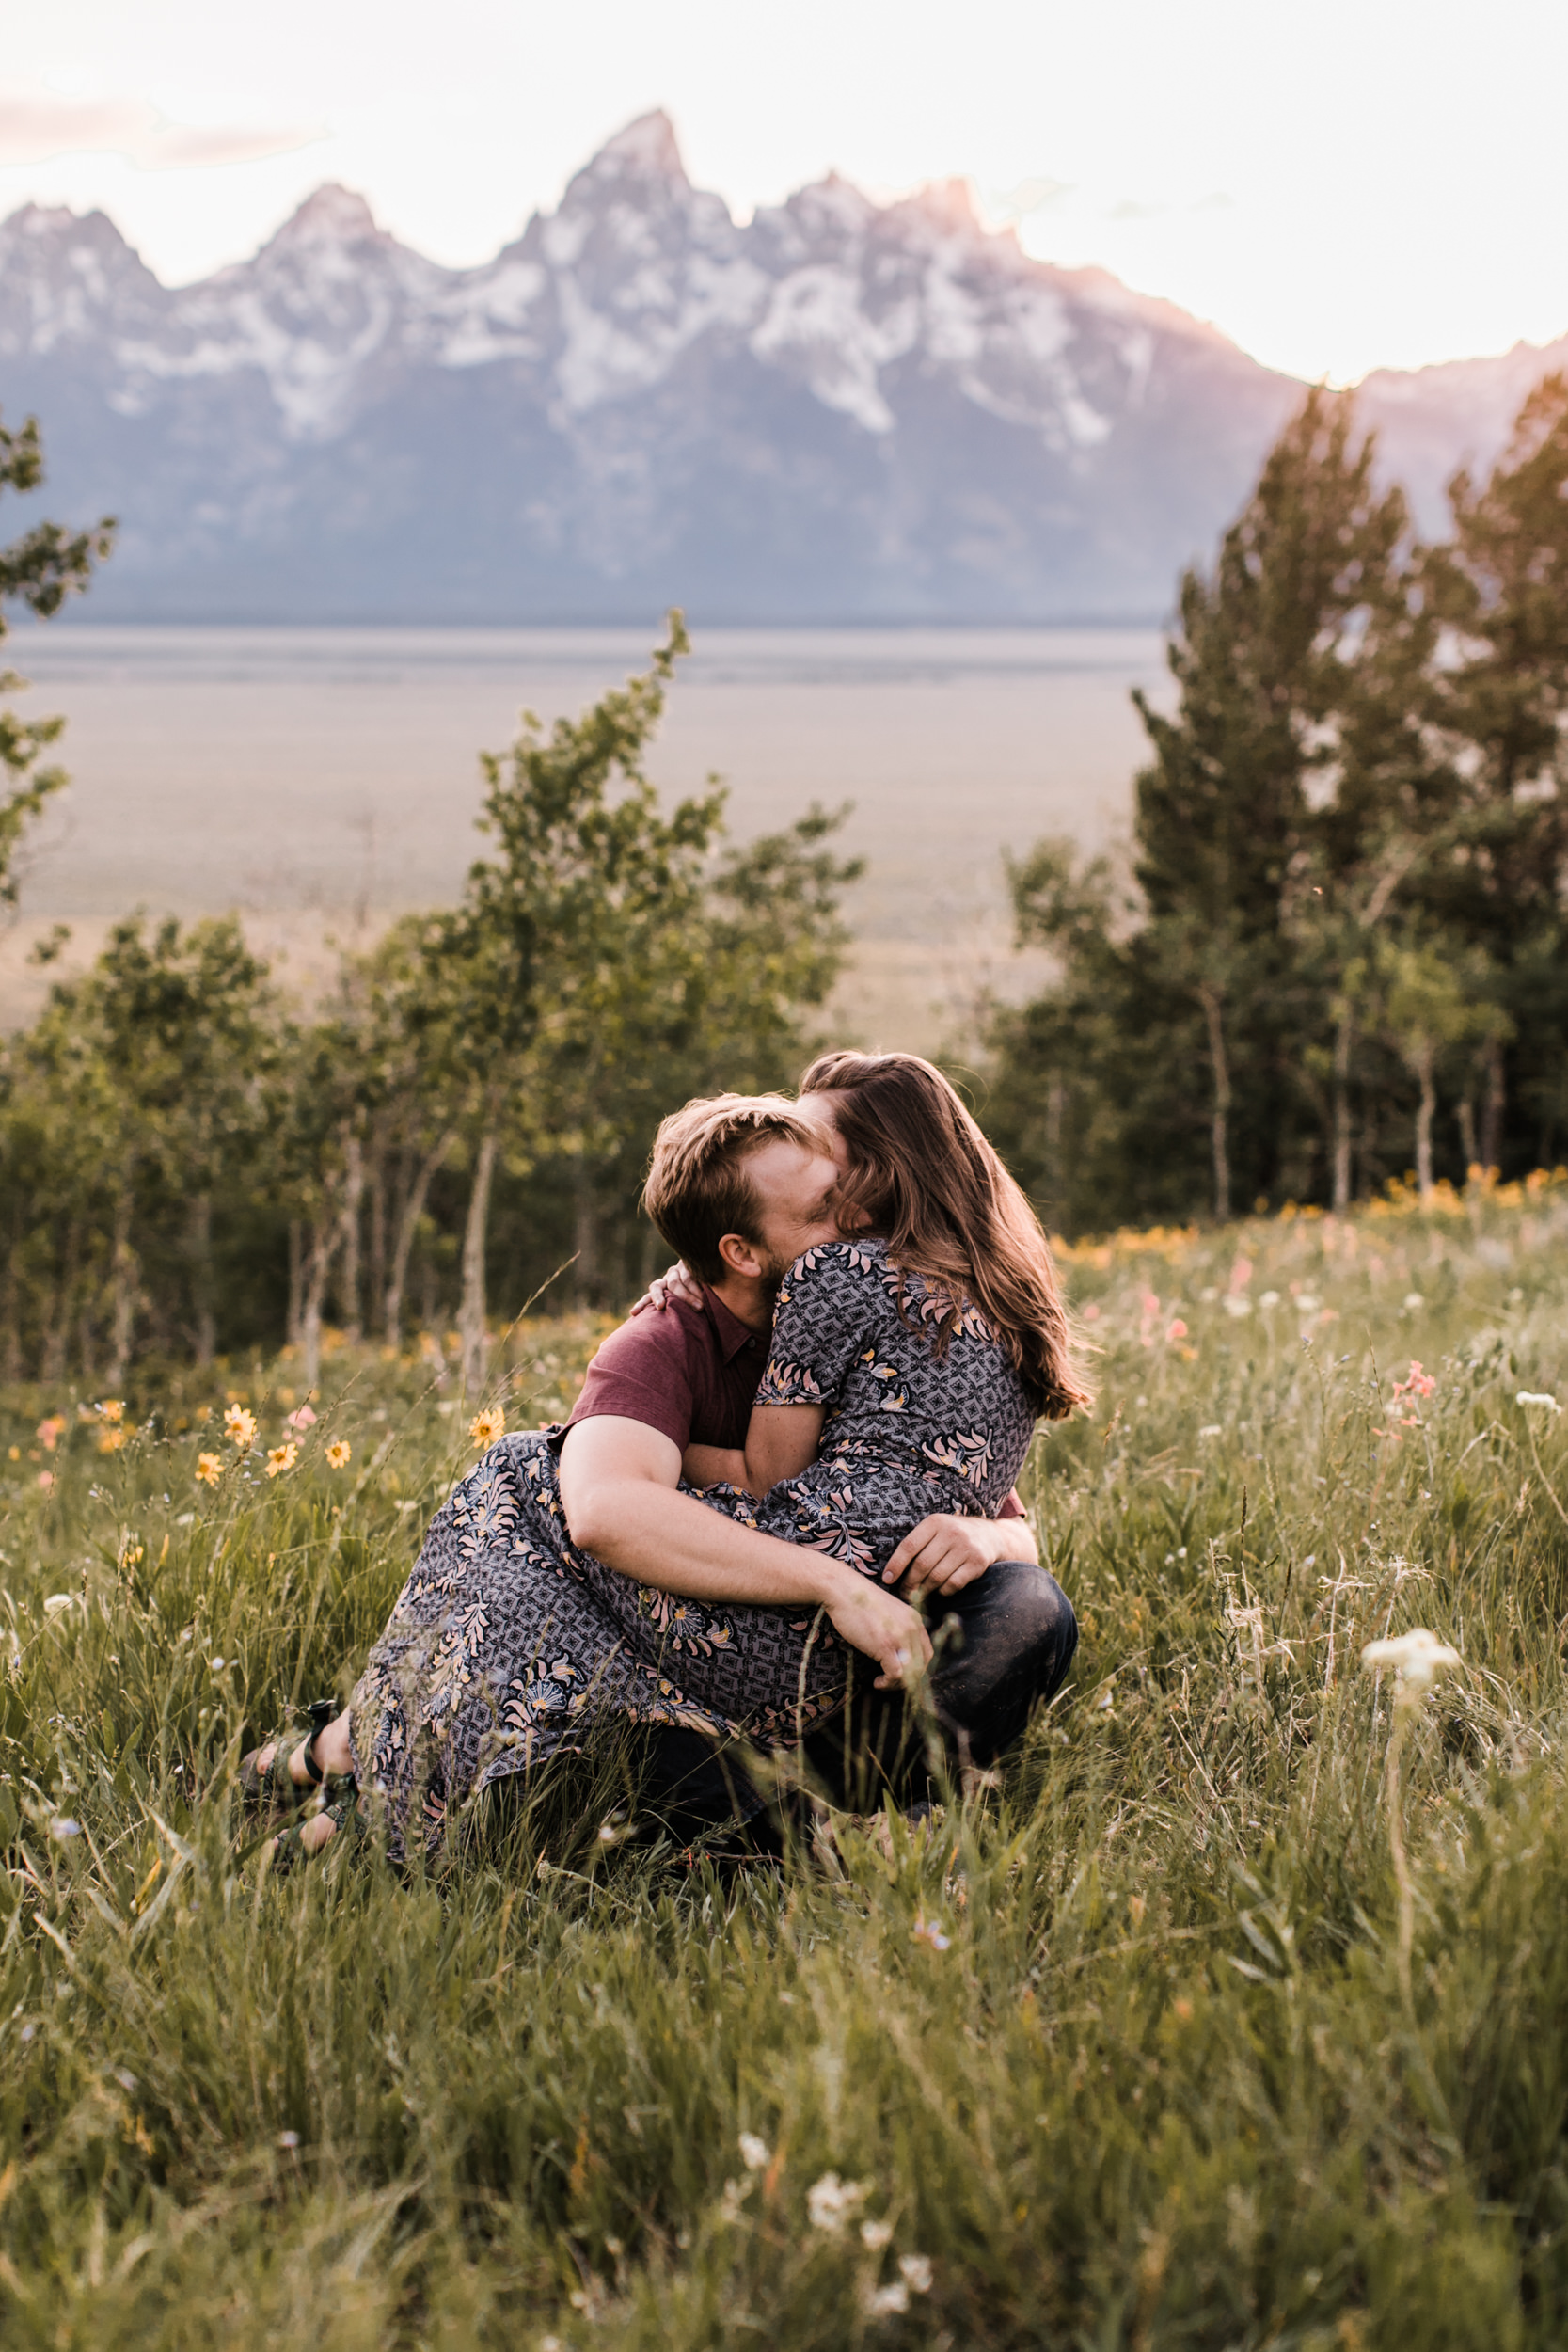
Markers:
point(836, 411)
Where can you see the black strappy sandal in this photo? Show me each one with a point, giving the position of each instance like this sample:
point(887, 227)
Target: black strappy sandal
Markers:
point(277, 1787)
point(288, 1848)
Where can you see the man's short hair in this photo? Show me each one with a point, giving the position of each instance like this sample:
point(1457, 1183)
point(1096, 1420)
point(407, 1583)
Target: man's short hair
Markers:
point(698, 1186)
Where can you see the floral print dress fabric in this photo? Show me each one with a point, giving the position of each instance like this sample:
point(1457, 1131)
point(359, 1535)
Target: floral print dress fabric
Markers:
point(507, 1642)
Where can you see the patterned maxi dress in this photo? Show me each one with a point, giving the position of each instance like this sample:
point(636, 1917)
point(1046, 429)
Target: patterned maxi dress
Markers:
point(507, 1642)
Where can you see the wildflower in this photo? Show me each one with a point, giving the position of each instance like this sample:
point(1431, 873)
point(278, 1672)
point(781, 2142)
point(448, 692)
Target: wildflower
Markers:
point(1269, 1299)
point(63, 1828)
point(1307, 1303)
point(304, 1418)
point(111, 1440)
point(831, 2203)
point(756, 2155)
point(1410, 1301)
point(884, 2301)
point(281, 1458)
point(209, 1468)
point(1212, 1429)
point(204, 1412)
point(46, 1480)
point(1175, 1330)
point(1417, 1657)
point(875, 2235)
point(50, 1431)
point(288, 2140)
point(239, 1427)
point(1530, 1396)
point(927, 1932)
point(131, 1555)
point(916, 2270)
point(1234, 1304)
point(113, 1410)
point(337, 1453)
point(486, 1426)
point(1415, 1383)
point(55, 1602)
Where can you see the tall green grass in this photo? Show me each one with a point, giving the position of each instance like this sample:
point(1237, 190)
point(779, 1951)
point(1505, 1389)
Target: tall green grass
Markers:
point(1112, 2052)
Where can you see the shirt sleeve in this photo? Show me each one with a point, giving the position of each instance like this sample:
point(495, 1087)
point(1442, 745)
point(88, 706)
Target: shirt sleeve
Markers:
point(642, 1371)
point(819, 1325)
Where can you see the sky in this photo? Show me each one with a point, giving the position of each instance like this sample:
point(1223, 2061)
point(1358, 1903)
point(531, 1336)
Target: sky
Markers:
point(1341, 185)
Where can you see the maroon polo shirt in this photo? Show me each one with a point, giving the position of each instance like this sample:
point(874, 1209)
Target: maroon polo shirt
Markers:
point(691, 1373)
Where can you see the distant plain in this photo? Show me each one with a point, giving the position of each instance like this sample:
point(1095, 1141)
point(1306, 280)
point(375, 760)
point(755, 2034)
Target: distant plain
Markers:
point(318, 781)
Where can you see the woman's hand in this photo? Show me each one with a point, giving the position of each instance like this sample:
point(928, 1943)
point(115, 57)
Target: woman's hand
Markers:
point(880, 1626)
point(679, 1283)
point(946, 1552)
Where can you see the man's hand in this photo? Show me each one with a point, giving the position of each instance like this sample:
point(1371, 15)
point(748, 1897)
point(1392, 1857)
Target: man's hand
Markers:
point(946, 1552)
point(679, 1283)
point(880, 1625)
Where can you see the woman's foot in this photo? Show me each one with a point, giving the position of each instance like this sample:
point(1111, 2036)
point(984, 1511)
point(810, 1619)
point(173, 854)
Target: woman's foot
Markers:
point(295, 1845)
point(269, 1777)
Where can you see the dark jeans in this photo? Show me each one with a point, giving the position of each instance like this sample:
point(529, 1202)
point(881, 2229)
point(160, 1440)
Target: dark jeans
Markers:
point(1002, 1648)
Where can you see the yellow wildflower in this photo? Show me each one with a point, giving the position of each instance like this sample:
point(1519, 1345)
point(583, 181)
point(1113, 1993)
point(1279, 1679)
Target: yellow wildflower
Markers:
point(111, 1441)
point(204, 1412)
point(208, 1469)
point(114, 1409)
point(282, 1457)
point(240, 1425)
point(487, 1426)
point(337, 1453)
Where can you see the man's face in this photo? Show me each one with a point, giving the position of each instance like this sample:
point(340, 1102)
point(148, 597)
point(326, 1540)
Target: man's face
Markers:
point(795, 1198)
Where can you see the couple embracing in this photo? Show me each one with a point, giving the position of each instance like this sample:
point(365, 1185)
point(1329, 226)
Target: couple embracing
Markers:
point(786, 1471)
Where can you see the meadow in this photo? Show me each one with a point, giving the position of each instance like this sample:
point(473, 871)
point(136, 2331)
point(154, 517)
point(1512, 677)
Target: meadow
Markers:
point(1116, 2050)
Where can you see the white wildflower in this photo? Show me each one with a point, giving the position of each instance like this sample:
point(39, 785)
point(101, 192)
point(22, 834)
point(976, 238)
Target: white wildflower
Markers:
point(1212, 1429)
point(882, 2302)
point(1417, 1657)
point(1307, 1303)
point(756, 2155)
point(916, 2272)
point(831, 2203)
point(875, 2235)
point(1526, 1398)
point(63, 1827)
point(55, 1602)
point(1235, 1305)
point(1410, 1301)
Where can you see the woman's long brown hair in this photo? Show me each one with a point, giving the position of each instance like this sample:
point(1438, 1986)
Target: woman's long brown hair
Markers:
point(924, 1178)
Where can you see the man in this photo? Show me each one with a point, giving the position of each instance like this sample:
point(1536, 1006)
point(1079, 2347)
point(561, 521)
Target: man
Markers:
point(740, 1186)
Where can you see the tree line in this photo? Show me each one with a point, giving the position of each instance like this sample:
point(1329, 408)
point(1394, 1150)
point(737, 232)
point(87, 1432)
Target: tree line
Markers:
point(190, 1163)
point(1333, 952)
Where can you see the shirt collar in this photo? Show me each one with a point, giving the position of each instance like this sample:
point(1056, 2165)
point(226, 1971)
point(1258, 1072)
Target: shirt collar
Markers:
point(731, 1334)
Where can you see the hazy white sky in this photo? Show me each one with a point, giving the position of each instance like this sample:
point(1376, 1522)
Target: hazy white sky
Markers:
point(1339, 185)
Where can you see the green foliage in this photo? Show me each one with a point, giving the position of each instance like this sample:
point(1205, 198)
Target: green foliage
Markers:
point(1360, 783)
point(39, 570)
point(1158, 2085)
point(187, 1161)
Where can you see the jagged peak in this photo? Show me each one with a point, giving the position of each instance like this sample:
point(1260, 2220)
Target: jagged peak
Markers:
point(647, 148)
point(330, 215)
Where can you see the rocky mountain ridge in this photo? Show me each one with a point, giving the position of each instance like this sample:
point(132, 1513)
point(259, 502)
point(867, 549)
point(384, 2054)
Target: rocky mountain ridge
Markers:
point(836, 411)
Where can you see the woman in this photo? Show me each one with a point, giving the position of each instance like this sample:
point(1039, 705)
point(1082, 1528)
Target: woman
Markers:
point(909, 1363)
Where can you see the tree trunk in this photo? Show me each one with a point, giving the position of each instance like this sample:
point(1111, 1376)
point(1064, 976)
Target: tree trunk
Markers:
point(1467, 1133)
point(1219, 1132)
point(1423, 1126)
point(377, 1284)
point(354, 1194)
point(470, 1313)
point(1344, 1036)
point(293, 1324)
point(318, 1267)
point(199, 1244)
point(413, 1209)
point(10, 1347)
point(123, 1283)
point(585, 1235)
point(1491, 1107)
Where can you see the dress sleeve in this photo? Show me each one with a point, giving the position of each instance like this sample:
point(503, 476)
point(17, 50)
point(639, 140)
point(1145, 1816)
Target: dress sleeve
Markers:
point(820, 1327)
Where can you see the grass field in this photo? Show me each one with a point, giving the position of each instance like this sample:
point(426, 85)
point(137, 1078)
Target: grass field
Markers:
point(1116, 2052)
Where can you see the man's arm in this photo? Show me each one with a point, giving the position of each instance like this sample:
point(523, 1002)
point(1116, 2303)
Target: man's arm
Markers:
point(618, 1482)
point(780, 1439)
